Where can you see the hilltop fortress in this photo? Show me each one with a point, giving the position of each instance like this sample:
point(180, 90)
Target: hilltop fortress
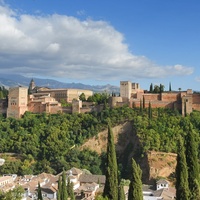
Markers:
point(45, 100)
point(133, 95)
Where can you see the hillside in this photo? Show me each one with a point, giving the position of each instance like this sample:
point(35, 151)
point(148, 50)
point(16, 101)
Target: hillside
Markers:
point(51, 142)
point(154, 165)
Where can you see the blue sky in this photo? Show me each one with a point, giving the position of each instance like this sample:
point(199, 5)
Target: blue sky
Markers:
point(99, 42)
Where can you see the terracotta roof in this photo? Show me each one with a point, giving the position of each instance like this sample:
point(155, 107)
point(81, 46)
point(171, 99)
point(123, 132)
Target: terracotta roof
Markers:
point(3, 178)
point(147, 188)
point(89, 178)
point(88, 187)
point(166, 194)
point(28, 176)
point(74, 171)
point(162, 181)
point(50, 190)
point(158, 193)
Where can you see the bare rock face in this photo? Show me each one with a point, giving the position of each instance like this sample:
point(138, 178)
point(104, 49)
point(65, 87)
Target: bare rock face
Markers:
point(122, 136)
point(161, 164)
point(153, 164)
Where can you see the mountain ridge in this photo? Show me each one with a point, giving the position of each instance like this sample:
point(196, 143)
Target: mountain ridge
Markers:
point(16, 80)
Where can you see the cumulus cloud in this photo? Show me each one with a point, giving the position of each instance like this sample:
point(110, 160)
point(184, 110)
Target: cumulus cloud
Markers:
point(66, 47)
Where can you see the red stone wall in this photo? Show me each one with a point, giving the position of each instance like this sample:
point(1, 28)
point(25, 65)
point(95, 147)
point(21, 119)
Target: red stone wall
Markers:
point(151, 97)
point(196, 107)
point(170, 97)
point(36, 107)
point(157, 104)
point(196, 98)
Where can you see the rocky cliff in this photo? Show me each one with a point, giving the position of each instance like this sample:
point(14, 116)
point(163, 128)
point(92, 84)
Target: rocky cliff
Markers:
point(154, 164)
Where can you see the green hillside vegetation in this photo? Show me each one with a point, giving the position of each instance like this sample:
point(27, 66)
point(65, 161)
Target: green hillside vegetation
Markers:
point(50, 142)
point(3, 92)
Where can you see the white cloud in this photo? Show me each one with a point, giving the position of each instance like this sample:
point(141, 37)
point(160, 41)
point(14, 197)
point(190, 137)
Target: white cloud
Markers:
point(64, 46)
point(81, 12)
point(197, 78)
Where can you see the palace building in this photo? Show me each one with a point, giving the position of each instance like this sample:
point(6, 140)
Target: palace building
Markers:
point(42, 99)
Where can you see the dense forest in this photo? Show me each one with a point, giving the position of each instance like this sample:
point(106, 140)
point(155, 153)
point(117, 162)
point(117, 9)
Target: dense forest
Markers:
point(50, 142)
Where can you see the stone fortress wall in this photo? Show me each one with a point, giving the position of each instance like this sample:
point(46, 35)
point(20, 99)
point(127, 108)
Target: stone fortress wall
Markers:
point(47, 100)
point(132, 94)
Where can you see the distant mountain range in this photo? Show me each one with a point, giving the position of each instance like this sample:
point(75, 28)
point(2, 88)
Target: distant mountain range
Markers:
point(16, 80)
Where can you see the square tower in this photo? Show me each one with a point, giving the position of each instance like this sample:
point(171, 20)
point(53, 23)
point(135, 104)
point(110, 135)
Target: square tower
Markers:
point(125, 89)
point(17, 102)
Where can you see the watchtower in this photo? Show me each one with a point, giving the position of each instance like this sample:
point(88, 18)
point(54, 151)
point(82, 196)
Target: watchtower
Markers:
point(17, 102)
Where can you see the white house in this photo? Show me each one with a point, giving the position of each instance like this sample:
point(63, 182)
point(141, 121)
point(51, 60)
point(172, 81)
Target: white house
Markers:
point(161, 184)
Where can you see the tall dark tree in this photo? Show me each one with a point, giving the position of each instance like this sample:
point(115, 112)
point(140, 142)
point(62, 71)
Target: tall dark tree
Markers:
point(151, 88)
point(70, 190)
point(150, 111)
point(82, 97)
point(182, 188)
point(170, 87)
point(135, 187)
point(193, 164)
point(121, 192)
point(39, 192)
point(156, 89)
point(111, 184)
point(63, 192)
point(141, 107)
point(59, 189)
point(162, 88)
point(143, 102)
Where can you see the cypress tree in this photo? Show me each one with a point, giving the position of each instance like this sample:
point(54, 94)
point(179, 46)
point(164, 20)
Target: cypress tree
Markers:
point(111, 184)
point(193, 165)
point(141, 107)
point(182, 189)
point(170, 87)
point(121, 192)
point(151, 88)
point(58, 195)
point(63, 193)
point(143, 102)
point(39, 192)
point(59, 189)
point(150, 111)
point(135, 187)
point(70, 190)
point(161, 88)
